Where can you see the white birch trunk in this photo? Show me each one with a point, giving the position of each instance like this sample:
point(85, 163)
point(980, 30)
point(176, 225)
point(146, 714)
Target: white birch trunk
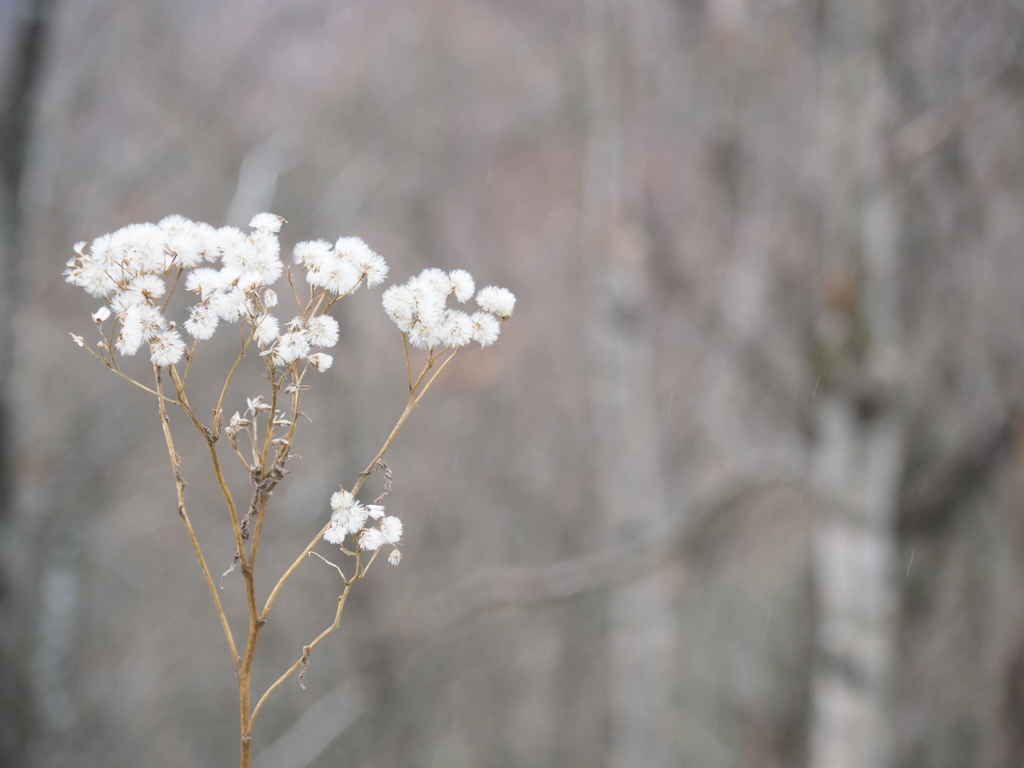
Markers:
point(625, 436)
point(860, 419)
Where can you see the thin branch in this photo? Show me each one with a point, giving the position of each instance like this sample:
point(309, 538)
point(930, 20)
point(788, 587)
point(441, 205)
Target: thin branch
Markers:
point(304, 659)
point(218, 412)
point(434, 377)
point(180, 484)
point(408, 360)
point(594, 571)
point(387, 444)
point(291, 569)
point(167, 299)
point(179, 387)
point(335, 566)
point(188, 365)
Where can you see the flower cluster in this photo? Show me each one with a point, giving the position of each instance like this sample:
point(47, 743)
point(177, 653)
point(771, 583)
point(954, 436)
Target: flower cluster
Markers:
point(350, 517)
point(131, 269)
point(420, 309)
point(136, 269)
point(135, 272)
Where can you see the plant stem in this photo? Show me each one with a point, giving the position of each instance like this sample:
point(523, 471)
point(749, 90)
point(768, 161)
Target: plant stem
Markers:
point(306, 650)
point(180, 484)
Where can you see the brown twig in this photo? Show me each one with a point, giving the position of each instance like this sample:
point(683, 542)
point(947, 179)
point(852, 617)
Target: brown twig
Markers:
point(180, 485)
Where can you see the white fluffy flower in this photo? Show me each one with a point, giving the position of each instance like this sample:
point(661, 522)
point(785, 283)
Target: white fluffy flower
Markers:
point(202, 322)
point(313, 255)
point(462, 284)
point(321, 361)
point(166, 348)
point(267, 222)
point(432, 280)
point(208, 240)
point(351, 519)
point(339, 277)
point(122, 300)
point(204, 281)
point(129, 339)
point(238, 254)
point(266, 330)
point(292, 346)
point(93, 276)
point(335, 534)
point(150, 320)
point(323, 331)
point(341, 500)
point(352, 248)
point(142, 248)
point(148, 288)
point(500, 301)
point(371, 540)
point(230, 304)
point(375, 269)
point(485, 328)
point(265, 257)
point(456, 329)
point(391, 529)
point(400, 305)
point(175, 223)
point(426, 335)
point(185, 240)
point(376, 511)
point(228, 239)
point(139, 323)
point(370, 264)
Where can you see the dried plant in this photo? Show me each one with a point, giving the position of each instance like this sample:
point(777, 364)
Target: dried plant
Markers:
point(136, 271)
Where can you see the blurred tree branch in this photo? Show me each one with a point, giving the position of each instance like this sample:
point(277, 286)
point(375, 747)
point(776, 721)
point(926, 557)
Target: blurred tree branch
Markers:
point(930, 497)
point(914, 141)
point(600, 570)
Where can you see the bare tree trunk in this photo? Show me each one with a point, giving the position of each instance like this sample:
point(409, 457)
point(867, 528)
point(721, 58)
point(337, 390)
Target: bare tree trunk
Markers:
point(625, 444)
point(860, 417)
point(21, 59)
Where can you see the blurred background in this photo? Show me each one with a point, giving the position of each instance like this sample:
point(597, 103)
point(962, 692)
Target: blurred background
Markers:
point(739, 485)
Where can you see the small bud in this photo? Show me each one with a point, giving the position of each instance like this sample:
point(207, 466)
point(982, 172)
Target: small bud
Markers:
point(280, 441)
point(256, 404)
point(77, 339)
point(395, 557)
point(237, 422)
point(269, 298)
point(101, 315)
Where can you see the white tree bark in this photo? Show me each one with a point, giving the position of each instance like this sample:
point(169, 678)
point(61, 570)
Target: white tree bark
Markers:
point(625, 435)
point(860, 418)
